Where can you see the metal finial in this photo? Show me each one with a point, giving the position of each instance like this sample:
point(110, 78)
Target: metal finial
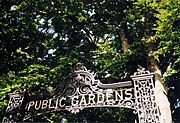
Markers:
point(79, 66)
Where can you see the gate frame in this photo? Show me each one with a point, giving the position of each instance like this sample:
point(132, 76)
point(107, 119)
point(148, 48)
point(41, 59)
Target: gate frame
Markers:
point(144, 105)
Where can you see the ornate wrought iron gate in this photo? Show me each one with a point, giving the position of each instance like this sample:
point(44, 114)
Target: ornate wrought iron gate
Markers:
point(81, 90)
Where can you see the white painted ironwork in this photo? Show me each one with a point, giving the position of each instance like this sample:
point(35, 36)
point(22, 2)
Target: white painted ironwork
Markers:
point(13, 108)
point(146, 106)
point(81, 90)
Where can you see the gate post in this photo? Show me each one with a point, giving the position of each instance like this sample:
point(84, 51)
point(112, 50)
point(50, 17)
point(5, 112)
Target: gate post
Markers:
point(145, 102)
point(13, 113)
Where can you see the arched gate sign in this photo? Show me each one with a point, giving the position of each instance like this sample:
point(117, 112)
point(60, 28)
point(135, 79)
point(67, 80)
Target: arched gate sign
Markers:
point(81, 90)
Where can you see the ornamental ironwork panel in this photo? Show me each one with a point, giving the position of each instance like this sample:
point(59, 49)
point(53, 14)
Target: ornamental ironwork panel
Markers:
point(81, 90)
point(13, 109)
point(146, 106)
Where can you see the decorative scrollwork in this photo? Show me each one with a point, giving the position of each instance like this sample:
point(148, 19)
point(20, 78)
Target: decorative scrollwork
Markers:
point(84, 89)
point(141, 71)
point(81, 90)
point(128, 103)
point(69, 90)
point(75, 109)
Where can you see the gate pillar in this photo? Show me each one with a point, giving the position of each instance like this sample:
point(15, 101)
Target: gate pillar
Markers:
point(13, 113)
point(145, 103)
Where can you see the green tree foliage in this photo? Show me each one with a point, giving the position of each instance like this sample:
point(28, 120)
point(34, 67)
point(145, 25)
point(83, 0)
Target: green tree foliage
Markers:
point(41, 41)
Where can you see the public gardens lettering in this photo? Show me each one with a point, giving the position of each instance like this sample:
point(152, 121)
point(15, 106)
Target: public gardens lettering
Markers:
point(81, 90)
point(105, 98)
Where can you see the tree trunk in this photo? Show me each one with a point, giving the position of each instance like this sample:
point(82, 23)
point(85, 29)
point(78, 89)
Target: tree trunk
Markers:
point(122, 31)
